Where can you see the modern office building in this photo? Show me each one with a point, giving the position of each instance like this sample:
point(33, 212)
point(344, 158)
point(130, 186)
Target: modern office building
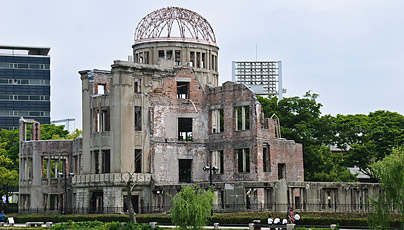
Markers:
point(24, 85)
point(263, 77)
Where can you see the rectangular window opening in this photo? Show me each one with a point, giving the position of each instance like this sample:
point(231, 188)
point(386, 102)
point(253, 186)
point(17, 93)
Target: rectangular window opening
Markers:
point(243, 160)
point(217, 121)
point(161, 54)
point(105, 119)
point(138, 160)
point(101, 89)
point(106, 161)
point(169, 54)
point(44, 168)
point(185, 129)
point(192, 59)
point(137, 85)
point(266, 158)
point(138, 118)
point(185, 171)
point(146, 57)
point(243, 118)
point(177, 57)
point(182, 90)
point(96, 162)
point(204, 60)
point(281, 171)
point(198, 60)
point(217, 161)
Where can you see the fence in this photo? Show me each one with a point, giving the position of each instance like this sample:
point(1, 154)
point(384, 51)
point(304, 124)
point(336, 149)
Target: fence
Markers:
point(228, 208)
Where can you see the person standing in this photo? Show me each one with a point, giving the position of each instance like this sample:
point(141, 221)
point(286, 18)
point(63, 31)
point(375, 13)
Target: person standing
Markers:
point(290, 216)
point(297, 218)
point(2, 216)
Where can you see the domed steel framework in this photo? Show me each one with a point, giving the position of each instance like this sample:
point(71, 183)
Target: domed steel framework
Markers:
point(189, 23)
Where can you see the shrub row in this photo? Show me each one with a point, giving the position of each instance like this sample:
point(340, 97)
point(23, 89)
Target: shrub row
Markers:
point(225, 218)
point(97, 225)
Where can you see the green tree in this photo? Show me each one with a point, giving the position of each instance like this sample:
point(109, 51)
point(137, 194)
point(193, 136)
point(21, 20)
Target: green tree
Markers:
point(192, 207)
point(8, 175)
point(390, 173)
point(329, 166)
point(9, 139)
point(369, 138)
point(302, 122)
point(76, 134)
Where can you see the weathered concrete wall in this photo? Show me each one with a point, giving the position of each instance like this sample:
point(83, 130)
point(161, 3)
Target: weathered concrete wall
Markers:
point(35, 182)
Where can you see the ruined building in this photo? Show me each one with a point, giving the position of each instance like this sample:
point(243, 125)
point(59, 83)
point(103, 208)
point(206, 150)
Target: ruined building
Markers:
point(157, 121)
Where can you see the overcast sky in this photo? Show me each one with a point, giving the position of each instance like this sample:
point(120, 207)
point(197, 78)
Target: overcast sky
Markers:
point(350, 52)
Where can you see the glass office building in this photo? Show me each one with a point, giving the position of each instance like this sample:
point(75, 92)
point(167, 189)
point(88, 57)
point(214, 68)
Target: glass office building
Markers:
point(24, 85)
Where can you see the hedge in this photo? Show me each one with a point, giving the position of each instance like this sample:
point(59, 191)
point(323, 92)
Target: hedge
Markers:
point(307, 218)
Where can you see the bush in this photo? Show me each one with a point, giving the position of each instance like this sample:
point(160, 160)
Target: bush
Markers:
point(97, 225)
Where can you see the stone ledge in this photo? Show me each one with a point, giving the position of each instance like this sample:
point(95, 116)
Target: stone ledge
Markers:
point(111, 178)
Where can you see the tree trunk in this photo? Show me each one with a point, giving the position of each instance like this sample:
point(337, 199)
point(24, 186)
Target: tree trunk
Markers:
point(128, 202)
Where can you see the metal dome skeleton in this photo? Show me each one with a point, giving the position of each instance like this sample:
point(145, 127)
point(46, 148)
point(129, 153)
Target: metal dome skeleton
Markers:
point(190, 23)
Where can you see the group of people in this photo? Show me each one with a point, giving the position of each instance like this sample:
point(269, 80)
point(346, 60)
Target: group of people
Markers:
point(290, 218)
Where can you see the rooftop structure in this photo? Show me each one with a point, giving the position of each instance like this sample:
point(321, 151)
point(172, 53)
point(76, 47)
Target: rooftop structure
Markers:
point(263, 77)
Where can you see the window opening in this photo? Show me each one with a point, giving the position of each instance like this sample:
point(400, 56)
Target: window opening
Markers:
point(146, 57)
point(96, 162)
point(217, 121)
point(243, 117)
point(137, 85)
point(105, 119)
point(177, 57)
point(212, 60)
point(204, 60)
point(96, 202)
point(217, 160)
point(243, 160)
point(44, 168)
point(138, 160)
point(101, 89)
point(281, 171)
point(161, 54)
point(54, 202)
point(198, 60)
point(266, 158)
point(185, 129)
point(141, 58)
point(192, 59)
point(53, 168)
point(169, 54)
point(138, 118)
point(106, 161)
point(185, 170)
point(182, 90)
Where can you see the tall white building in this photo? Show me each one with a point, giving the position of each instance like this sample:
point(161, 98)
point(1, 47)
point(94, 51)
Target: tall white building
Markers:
point(263, 77)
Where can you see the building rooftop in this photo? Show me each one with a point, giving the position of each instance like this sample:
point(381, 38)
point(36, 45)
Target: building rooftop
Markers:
point(24, 50)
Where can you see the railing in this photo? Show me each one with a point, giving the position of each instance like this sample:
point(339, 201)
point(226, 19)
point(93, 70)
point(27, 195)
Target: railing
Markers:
point(228, 208)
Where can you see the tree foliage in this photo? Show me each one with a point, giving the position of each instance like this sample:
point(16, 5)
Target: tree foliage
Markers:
point(365, 138)
point(302, 122)
point(390, 173)
point(8, 175)
point(191, 207)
